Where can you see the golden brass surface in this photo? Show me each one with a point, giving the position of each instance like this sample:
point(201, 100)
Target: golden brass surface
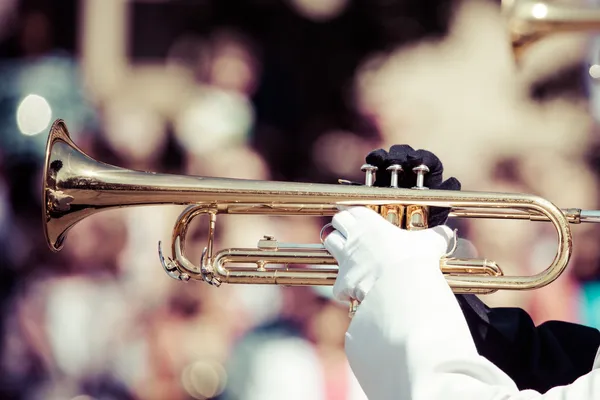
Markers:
point(76, 186)
point(529, 21)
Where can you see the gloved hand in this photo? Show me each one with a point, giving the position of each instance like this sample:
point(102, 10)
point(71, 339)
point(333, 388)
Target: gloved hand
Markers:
point(366, 246)
point(409, 158)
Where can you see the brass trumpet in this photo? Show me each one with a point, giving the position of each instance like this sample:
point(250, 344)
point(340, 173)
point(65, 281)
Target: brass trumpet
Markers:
point(76, 186)
point(528, 21)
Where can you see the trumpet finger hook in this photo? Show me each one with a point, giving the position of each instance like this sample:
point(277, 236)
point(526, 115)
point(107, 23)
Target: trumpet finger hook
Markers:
point(170, 267)
point(328, 225)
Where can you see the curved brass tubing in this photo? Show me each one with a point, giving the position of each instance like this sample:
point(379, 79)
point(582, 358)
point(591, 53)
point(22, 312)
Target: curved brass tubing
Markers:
point(75, 186)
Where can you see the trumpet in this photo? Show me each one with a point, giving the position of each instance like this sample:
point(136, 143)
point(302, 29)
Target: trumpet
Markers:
point(529, 21)
point(75, 186)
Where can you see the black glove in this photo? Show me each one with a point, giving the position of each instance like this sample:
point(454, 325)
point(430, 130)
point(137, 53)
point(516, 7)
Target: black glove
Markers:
point(409, 158)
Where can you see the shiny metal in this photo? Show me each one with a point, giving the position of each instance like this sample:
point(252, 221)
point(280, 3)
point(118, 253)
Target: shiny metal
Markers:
point(530, 21)
point(420, 170)
point(395, 170)
point(369, 171)
point(454, 243)
point(76, 186)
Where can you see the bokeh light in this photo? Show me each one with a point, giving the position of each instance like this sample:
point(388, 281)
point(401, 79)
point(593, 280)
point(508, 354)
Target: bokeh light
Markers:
point(594, 71)
point(204, 379)
point(33, 115)
point(539, 10)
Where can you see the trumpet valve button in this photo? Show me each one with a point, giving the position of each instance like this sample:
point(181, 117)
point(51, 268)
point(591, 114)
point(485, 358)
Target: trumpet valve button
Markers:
point(420, 170)
point(394, 170)
point(369, 171)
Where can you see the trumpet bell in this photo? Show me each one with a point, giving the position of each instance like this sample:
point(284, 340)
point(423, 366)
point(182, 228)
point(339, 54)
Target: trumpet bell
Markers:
point(64, 164)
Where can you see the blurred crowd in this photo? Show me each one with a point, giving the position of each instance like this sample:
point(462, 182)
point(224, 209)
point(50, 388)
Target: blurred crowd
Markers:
point(295, 90)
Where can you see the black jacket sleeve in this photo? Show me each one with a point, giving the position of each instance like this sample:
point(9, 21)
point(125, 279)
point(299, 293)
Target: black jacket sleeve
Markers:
point(535, 357)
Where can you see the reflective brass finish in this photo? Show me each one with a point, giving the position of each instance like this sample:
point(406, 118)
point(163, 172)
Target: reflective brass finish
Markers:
point(529, 21)
point(393, 214)
point(416, 217)
point(75, 186)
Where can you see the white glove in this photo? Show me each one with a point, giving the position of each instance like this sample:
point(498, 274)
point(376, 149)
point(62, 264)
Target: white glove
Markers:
point(365, 245)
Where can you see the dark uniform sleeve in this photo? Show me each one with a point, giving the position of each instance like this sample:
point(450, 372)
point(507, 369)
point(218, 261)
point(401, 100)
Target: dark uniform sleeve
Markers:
point(536, 357)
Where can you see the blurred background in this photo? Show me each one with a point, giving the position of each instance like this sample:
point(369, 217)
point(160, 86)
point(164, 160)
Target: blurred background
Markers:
point(291, 90)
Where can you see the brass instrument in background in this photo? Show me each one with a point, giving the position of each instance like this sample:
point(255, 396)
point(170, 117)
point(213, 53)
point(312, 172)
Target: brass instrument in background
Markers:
point(76, 186)
point(528, 21)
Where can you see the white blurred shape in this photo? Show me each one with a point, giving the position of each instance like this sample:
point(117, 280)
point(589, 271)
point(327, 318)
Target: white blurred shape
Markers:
point(33, 115)
point(539, 10)
point(84, 322)
point(240, 162)
point(319, 10)
point(595, 71)
point(293, 372)
point(213, 120)
point(133, 130)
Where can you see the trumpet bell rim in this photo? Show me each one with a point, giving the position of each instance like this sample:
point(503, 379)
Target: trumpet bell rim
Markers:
point(58, 132)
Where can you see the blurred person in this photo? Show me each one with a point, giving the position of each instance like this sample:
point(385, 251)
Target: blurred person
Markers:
point(69, 332)
point(297, 355)
point(193, 317)
point(438, 93)
point(524, 356)
point(234, 62)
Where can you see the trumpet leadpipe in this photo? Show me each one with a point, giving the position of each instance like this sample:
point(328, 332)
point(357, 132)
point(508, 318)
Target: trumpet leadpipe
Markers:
point(573, 215)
